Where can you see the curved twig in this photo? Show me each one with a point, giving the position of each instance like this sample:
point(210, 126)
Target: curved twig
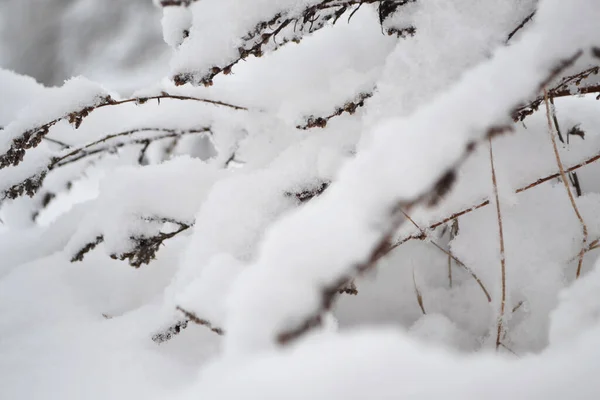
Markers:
point(194, 318)
point(350, 107)
point(308, 20)
point(33, 137)
point(451, 256)
point(81, 152)
point(502, 253)
point(563, 89)
point(486, 202)
point(520, 26)
point(563, 176)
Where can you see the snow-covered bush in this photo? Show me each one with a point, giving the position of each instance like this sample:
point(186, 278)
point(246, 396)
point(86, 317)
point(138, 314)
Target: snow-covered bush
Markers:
point(309, 168)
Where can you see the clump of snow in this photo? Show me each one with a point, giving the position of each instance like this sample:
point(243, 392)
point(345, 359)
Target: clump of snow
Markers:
point(17, 92)
point(578, 309)
point(176, 22)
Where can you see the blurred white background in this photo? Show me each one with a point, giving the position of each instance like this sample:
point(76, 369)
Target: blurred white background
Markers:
point(115, 42)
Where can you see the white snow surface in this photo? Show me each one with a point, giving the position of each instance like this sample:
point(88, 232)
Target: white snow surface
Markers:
point(275, 214)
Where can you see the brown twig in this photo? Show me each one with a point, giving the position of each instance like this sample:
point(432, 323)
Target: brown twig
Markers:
point(509, 349)
point(486, 202)
point(308, 194)
point(81, 152)
point(563, 88)
point(418, 294)
point(350, 107)
point(519, 305)
point(33, 137)
point(145, 248)
point(58, 142)
point(87, 248)
point(176, 3)
point(192, 317)
point(31, 185)
point(450, 256)
point(430, 198)
point(502, 253)
point(171, 331)
point(308, 20)
point(520, 26)
point(453, 233)
point(567, 187)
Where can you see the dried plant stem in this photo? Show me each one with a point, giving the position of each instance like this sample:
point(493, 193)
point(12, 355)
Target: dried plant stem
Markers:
point(453, 233)
point(519, 305)
point(418, 294)
point(452, 257)
point(450, 272)
point(195, 319)
point(502, 253)
point(563, 176)
point(520, 26)
point(82, 152)
point(509, 349)
point(484, 203)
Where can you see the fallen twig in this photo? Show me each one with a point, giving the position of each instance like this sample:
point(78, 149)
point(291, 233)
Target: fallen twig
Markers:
point(563, 176)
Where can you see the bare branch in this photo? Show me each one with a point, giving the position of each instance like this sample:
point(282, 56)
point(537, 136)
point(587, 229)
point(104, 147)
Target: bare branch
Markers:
point(350, 107)
point(451, 257)
point(192, 317)
point(33, 137)
point(429, 199)
point(176, 3)
point(170, 332)
point(145, 248)
point(83, 151)
point(308, 194)
point(418, 294)
point(502, 253)
point(568, 86)
point(486, 202)
point(87, 248)
point(567, 187)
point(308, 20)
point(520, 26)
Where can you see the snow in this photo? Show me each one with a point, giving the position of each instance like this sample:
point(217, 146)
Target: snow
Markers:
point(175, 21)
point(354, 210)
point(211, 241)
point(17, 91)
point(578, 310)
point(386, 364)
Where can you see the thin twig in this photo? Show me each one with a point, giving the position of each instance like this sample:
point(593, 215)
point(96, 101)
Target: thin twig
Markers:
point(32, 137)
point(308, 20)
point(486, 202)
point(563, 176)
point(502, 253)
point(509, 349)
point(58, 142)
point(192, 317)
point(349, 107)
point(82, 152)
point(176, 3)
point(555, 120)
point(568, 86)
point(418, 294)
point(453, 233)
point(171, 331)
point(451, 256)
point(450, 271)
point(520, 26)
point(143, 100)
point(519, 305)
